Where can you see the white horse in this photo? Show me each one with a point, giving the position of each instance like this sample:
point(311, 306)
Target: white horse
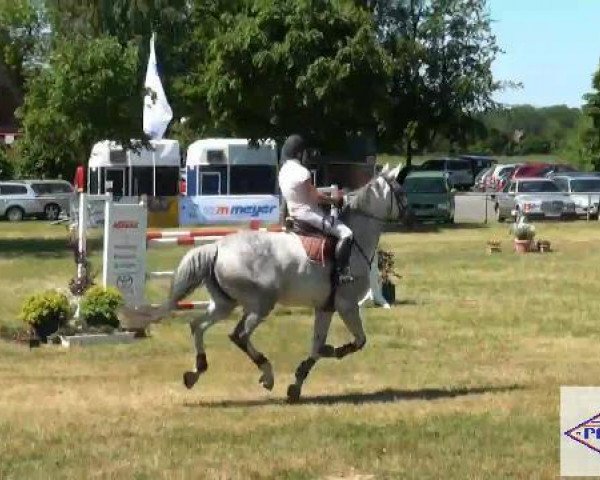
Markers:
point(256, 270)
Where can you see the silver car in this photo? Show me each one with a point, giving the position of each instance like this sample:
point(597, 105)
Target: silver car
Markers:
point(534, 197)
point(584, 190)
point(39, 198)
point(55, 195)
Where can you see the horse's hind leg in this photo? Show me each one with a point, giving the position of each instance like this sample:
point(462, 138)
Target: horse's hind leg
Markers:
point(321, 329)
point(214, 313)
point(241, 337)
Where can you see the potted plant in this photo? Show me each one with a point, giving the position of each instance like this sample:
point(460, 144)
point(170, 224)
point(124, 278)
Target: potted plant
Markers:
point(99, 307)
point(524, 234)
point(45, 313)
point(494, 246)
point(543, 246)
point(385, 264)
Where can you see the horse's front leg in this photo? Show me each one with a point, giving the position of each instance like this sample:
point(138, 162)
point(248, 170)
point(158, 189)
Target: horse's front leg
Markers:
point(321, 329)
point(353, 321)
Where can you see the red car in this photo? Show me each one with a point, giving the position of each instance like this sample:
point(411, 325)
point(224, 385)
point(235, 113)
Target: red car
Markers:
point(531, 170)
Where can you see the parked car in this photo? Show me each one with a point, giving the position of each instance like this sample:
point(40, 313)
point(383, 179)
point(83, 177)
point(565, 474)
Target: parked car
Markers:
point(535, 197)
point(458, 172)
point(39, 198)
point(530, 170)
point(584, 190)
point(479, 184)
point(429, 196)
point(501, 173)
point(479, 162)
point(18, 201)
point(55, 195)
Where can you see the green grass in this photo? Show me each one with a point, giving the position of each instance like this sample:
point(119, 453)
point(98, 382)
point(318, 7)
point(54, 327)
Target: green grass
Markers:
point(460, 379)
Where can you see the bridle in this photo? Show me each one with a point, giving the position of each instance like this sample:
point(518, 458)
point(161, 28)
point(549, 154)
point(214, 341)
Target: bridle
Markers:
point(397, 194)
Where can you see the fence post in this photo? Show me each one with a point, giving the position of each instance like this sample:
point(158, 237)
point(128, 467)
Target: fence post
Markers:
point(486, 208)
point(589, 206)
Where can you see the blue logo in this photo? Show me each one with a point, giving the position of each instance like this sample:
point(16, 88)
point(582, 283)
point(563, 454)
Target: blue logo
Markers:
point(587, 433)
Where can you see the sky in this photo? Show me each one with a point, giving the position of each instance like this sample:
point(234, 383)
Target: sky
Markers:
point(551, 46)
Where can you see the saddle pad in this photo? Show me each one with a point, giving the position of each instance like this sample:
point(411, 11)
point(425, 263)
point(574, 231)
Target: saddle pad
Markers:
point(318, 249)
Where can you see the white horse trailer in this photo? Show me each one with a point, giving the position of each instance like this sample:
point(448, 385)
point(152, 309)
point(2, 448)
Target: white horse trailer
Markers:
point(151, 171)
point(231, 166)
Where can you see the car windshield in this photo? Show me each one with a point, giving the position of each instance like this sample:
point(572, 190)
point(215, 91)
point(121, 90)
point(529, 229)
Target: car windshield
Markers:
point(425, 185)
point(505, 172)
point(458, 165)
point(536, 187)
point(433, 165)
point(585, 185)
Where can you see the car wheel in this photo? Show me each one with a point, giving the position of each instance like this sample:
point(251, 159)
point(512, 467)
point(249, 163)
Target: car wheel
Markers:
point(499, 216)
point(51, 211)
point(15, 214)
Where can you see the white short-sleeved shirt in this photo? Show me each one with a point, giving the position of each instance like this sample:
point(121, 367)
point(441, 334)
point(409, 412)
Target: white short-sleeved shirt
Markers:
point(291, 176)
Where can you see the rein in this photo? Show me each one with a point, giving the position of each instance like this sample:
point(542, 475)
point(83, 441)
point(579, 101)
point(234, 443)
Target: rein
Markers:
point(394, 196)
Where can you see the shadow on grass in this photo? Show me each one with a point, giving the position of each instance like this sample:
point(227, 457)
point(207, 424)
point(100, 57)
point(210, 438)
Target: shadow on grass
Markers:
point(42, 247)
point(389, 395)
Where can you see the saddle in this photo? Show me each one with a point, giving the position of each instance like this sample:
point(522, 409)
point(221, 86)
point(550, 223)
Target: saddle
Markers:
point(319, 247)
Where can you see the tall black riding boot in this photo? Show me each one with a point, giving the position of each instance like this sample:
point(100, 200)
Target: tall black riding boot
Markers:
point(343, 250)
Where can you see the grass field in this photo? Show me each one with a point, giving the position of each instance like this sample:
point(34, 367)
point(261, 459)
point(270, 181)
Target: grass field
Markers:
point(459, 380)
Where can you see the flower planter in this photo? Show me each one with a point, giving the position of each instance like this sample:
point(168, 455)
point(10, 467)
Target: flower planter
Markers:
point(543, 246)
point(494, 247)
point(47, 328)
point(388, 290)
point(522, 246)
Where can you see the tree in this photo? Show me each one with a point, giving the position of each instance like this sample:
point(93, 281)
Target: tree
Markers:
point(87, 93)
point(590, 137)
point(132, 22)
point(23, 44)
point(441, 53)
point(268, 68)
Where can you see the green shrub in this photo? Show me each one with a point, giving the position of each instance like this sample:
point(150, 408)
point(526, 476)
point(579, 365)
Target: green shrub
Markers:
point(7, 170)
point(46, 312)
point(99, 306)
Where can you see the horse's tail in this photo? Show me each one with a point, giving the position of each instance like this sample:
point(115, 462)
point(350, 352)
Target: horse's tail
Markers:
point(193, 269)
point(195, 266)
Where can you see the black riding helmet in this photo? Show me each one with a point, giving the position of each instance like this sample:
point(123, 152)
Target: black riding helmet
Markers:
point(293, 148)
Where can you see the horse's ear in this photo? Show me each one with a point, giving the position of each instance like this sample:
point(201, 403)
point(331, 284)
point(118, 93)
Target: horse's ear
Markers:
point(385, 169)
point(393, 174)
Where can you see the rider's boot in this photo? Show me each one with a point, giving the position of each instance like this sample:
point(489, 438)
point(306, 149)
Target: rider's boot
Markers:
point(343, 250)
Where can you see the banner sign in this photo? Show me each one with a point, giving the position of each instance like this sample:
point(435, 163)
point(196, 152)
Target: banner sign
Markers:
point(124, 262)
point(203, 210)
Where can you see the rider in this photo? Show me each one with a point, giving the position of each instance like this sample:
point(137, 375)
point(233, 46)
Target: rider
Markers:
point(304, 203)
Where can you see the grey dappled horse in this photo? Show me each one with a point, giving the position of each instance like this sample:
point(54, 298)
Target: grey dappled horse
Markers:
point(256, 270)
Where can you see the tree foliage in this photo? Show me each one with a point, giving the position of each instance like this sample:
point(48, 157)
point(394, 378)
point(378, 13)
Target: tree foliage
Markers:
point(442, 52)
point(275, 67)
point(405, 71)
point(590, 136)
point(87, 93)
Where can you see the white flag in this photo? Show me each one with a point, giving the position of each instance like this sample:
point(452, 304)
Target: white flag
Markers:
point(157, 111)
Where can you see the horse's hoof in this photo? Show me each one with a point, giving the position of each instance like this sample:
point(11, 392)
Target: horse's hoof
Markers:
point(293, 393)
point(190, 379)
point(267, 381)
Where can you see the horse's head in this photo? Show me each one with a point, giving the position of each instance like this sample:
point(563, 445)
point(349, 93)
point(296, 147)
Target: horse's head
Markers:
point(383, 197)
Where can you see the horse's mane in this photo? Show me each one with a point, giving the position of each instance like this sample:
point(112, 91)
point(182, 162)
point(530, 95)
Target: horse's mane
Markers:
point(357, 198)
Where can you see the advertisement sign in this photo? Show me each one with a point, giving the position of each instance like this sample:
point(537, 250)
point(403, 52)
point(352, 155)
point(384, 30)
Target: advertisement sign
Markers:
point(202, 210)
point(124, 262)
